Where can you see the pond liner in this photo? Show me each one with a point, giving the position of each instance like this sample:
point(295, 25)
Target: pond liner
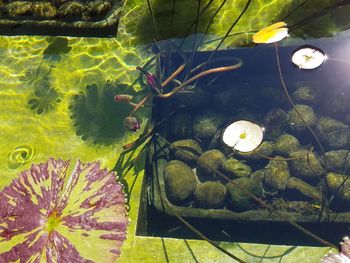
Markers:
point(105, 27)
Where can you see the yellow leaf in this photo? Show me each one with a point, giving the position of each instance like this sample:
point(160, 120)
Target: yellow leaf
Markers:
point(271, 34)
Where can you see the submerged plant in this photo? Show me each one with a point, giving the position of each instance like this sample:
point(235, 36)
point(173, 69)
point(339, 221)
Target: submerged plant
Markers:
point(45, 97)
point(53, 212)
point(95, 115)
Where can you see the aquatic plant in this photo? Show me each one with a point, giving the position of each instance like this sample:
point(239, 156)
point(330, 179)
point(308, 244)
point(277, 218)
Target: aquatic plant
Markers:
point(243, 136)
point(95, 114)
point(44, 98)
point(53, 212)
point(57, 46)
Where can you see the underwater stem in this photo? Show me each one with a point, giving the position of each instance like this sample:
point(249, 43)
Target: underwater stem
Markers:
point(202, 74)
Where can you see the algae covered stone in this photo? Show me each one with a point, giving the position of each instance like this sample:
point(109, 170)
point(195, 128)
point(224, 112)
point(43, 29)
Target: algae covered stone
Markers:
point(266, 148)
point(206, 125)
point(235, 169)
point(334, 133)
point(275, 122)
point(210, 195)
point(338, 185)
point(308, 117)
point(297, 189)
point(305, 94)
point(208, 163)
point(180, 181)
point(286, 144)
point(238, 199)
point(306, 165)
point(338, 160)
point(276, 173)
point(187, 151)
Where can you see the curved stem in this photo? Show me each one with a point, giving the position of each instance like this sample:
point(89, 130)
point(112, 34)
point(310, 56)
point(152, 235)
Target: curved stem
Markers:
point(199, 75)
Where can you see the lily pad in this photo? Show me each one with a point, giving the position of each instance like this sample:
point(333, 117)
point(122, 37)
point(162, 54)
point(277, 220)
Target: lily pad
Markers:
point(54, 212)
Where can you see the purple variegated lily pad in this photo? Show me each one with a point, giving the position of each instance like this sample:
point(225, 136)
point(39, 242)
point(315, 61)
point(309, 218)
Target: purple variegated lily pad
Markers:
point(55, 212)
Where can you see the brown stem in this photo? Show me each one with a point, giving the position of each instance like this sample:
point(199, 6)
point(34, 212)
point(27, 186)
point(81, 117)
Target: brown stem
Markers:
point(141, 103)
point(172, 76)
point(199, 75)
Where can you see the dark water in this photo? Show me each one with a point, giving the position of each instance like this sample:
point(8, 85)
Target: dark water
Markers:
point(254, 90)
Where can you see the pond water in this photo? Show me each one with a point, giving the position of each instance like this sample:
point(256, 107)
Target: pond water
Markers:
point(159, 96)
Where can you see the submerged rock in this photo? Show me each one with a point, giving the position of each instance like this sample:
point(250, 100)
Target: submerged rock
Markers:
point(18, 8)
point(258, 175)
point(306, 165)
point(180, 181)
point(334, 133)
point(275, 122)
point(44, 10)
point(206, 125)
point(187, 151)
point(210, 195)
point(193, 98)
point(235, 169)
point(286, 144)
point(298, 124)
point(209, 162)
point(238, 199)
point(181, 126)
point(338, 160)
point(297, 189)
point(305, 95)
point(276, 173)
point(263, 150)
point(339, 185)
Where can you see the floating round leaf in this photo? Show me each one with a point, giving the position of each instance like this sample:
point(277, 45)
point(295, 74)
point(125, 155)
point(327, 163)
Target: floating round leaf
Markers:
point(271, 34)
point(308, 57)
point(53, 213)
point(243, 136)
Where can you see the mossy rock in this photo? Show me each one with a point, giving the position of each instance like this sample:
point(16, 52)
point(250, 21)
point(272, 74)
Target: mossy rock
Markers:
point(297, 189)
point(332, 132)
point(236, 169)
point(180, 181)
point(308, 118)
point(265, 149)
point(338, 160)
point(276, 174)
point(306, 165)
point(239, 200)
point(187, 151)
point(286, 144)
point(275, 122)
point(210, 195)
point(208, 163)
point(339, 185)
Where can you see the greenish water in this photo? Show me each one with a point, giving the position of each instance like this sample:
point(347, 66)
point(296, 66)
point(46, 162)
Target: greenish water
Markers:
point(58, 101)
